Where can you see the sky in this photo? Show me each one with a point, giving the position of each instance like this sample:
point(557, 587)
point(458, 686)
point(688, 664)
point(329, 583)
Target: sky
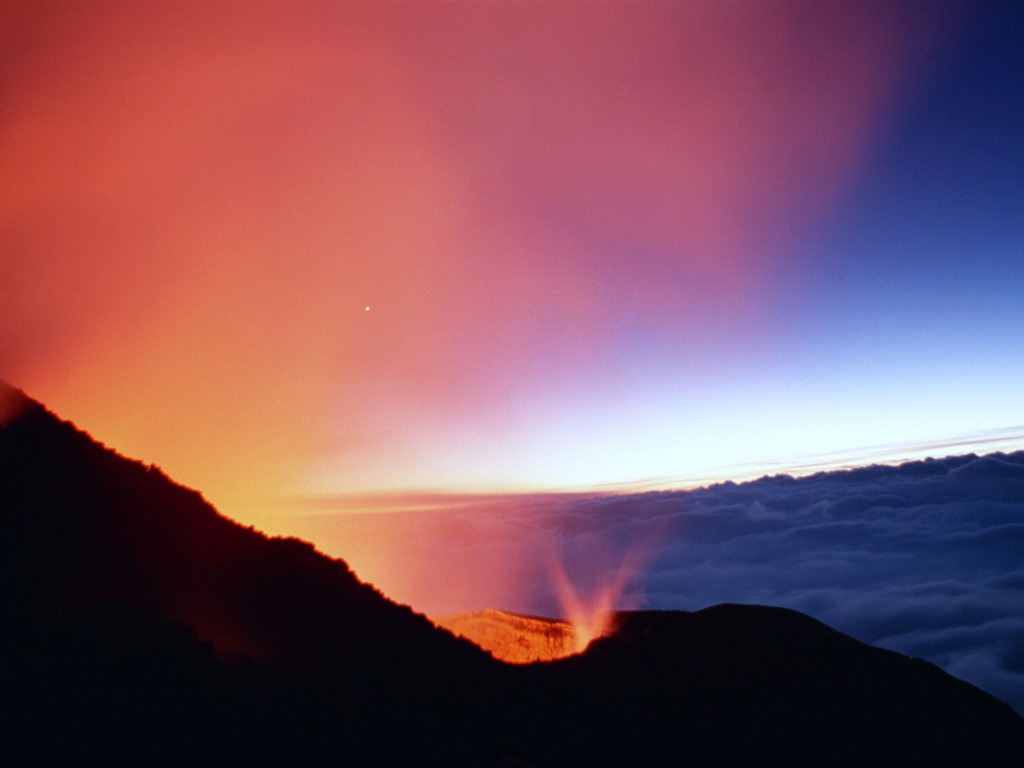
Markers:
point(294, 250)
point(441, 287)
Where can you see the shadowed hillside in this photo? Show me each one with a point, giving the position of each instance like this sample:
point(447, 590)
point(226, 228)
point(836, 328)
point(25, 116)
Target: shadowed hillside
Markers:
point(750, 685)
point(141, 627)
point(108, 565)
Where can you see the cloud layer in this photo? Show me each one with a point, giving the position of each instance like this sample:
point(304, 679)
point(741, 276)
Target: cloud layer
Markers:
point(925, 558)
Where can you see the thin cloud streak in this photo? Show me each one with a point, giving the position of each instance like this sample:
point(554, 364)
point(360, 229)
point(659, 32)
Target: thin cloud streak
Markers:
point(1002, 439)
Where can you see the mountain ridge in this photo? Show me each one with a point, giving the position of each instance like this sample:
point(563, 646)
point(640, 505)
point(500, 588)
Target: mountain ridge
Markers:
point(140, 626)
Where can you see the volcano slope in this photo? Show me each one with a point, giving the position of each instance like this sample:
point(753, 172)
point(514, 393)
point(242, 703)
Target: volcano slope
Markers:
point(139, 627)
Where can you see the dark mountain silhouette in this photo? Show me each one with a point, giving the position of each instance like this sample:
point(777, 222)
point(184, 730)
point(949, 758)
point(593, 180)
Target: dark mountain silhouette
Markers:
point(106, 565)
point(751, 685)
point(139, 627)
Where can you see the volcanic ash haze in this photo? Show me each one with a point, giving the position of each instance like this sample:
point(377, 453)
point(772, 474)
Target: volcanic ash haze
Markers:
point(556, 212)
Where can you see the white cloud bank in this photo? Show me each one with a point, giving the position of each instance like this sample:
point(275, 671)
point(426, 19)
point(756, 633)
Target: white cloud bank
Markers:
point(925, 558)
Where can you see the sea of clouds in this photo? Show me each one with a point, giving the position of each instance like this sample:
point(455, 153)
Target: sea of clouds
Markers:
point(925, 558)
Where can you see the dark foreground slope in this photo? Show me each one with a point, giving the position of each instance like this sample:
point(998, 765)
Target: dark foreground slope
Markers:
point(139, 627)
point(140, 624)
point(743, 685)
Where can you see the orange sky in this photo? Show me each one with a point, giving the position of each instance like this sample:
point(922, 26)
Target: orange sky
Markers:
point(202, 201)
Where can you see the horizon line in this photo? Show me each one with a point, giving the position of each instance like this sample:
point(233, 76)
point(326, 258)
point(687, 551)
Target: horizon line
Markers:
point(997, 440)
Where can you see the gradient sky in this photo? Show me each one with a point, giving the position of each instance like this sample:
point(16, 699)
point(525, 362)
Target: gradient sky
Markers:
point(283, 250)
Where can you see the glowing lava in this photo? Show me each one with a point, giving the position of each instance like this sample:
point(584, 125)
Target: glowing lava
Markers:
point(513, 638)
point(519, 639)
